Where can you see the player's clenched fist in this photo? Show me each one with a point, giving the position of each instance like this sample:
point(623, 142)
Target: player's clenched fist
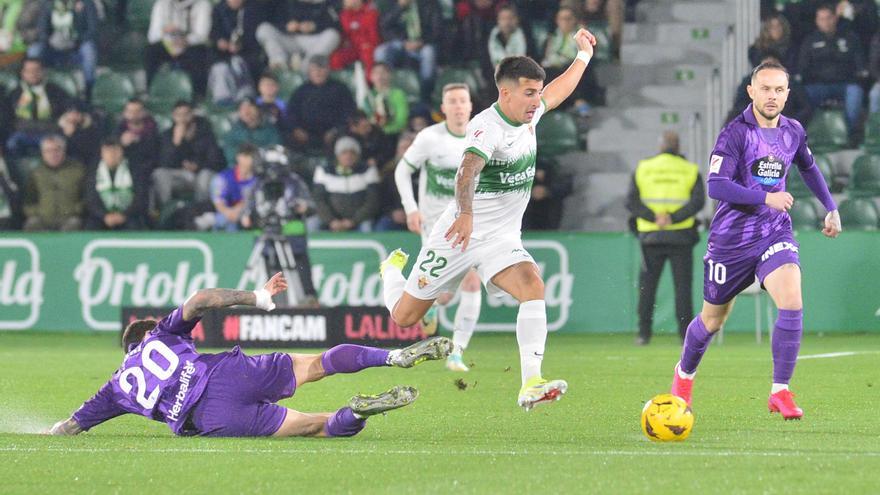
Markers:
point(585, 41)
point(779, 201)
point(460, 231)
point(832, 224)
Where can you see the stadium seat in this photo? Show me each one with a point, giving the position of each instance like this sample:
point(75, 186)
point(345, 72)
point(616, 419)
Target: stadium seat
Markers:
point(408, 81)
point(827, 131)
point(111, 91)
point(557, 133)
point(220, 124)
point(65, 81)
point(859, 214)
point(872, 134)
point(602, 32)
point(139, 14)
point(805, 216)
point(455, 75)
point(288, 82)
point(795, 183)
point(127, 53)
point(8, 81)
point(345, 76)
point(168, 87)
point(865, 180)
point(163, 122)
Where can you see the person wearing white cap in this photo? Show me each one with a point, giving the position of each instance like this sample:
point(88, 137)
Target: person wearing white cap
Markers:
point(346, 192)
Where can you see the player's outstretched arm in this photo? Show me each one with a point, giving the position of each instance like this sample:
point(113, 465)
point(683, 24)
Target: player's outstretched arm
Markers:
point(563, 86)
point(68, 426)
point(465, 185)
point(206, 299)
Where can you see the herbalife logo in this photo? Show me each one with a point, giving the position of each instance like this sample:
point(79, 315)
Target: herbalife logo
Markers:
point(139, 272)
point(21, 284)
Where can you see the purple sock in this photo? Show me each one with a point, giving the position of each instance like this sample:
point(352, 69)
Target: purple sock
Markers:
point(344, 424)
point(350, 358)
point(695, 343)
point(786, 343)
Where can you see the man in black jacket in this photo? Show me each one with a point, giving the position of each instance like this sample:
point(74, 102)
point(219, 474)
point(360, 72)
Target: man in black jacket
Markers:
point(664, 196)
point(234, 32)
point(116, 191)
point(319, 109)
point(411, 30)
point(302, 29)
point(831, 63)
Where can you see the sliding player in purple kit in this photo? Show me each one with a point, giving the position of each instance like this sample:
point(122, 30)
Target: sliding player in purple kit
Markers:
point(232, 394)
point(751, 232)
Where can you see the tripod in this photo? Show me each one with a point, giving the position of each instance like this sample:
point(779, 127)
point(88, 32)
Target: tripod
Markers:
point(272, 253)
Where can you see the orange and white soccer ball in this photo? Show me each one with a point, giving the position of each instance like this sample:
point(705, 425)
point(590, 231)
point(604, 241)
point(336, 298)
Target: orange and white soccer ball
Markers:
point(667, 418)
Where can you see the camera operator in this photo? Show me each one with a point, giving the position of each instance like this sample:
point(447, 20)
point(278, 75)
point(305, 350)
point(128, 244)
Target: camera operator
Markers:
point(278, 204)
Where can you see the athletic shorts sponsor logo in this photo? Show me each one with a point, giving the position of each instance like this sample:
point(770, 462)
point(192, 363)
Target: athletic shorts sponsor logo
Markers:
point(778, 247)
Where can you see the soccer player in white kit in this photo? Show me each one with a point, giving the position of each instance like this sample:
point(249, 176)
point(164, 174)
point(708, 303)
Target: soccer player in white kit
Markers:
point(436, 154)
point(481, 228)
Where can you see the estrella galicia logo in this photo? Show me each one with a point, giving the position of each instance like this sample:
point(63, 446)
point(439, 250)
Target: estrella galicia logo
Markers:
point(768, 171)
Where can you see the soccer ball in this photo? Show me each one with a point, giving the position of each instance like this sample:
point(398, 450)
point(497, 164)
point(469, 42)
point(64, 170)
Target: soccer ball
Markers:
point(667, 418)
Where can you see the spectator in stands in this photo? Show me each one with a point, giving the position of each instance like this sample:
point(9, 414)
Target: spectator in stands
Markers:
point(392, 215)
point(318, 109)
point(559, 50)
point(179, 34)
point(797, 106)
point(369, 137)
point(272, 106)
point(188, 157)
point(604, 18)
point(69, 35)
point(82, 133)
point(360, 35)
point(33, 108)
point(234, 32)
point(860, 16)
point(53, 196)
point(550, 188)
point(419, 119)
point(774, 41)
point(231, 187)
point(474, 21)
point(506, 39)
point(12, 46)
point(251, 128)
point(300, 30)
point(874, 70)
point(385, 104)
point(347, 192)
point(665, 195)
point(831, 63)
point(139, 135)
point(9, 212)
point(116, 192)
point(412, 29)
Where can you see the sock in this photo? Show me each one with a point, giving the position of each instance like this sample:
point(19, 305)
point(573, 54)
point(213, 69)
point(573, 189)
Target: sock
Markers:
point(466, 317)
point(350, 358)
point(531, 333)
point(695, 343)
point(778, 387)
point(393, 283)
point(786, 343)
point(344, 424)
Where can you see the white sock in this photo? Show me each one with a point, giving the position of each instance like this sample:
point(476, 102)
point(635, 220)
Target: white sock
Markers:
point(682, 374)
point(466, 317)
point(392, 283)
point(531, 333)
point(778, 387)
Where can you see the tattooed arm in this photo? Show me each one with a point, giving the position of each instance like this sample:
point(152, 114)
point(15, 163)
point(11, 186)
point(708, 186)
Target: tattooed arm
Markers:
point(68, 426)
point(465, 185)
point(206, 299)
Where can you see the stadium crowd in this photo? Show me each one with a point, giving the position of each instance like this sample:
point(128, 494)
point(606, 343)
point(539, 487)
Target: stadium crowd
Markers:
point(142, 114)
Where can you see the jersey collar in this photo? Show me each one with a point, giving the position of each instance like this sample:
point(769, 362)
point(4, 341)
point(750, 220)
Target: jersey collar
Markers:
point(509, 122)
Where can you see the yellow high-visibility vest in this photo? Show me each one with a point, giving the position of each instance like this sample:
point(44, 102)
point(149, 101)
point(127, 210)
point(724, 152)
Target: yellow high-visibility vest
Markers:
point(665, 183)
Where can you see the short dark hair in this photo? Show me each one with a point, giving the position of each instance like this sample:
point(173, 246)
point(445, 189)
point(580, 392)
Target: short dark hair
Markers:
point(135, 100)
point(182, 103)
point(134, 333)
point(827, 6)
point(770, 66)
point(31, 59)
point(247, 149)
point(111, 140)
point(515, 67)
point(508, 6)
point(269, 75)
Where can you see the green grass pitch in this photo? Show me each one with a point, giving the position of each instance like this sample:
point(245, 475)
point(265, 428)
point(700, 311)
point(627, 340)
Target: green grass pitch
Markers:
point(474, 440)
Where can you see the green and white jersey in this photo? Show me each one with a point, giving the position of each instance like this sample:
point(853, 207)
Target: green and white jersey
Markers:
point(436, 152)
point(505, 183)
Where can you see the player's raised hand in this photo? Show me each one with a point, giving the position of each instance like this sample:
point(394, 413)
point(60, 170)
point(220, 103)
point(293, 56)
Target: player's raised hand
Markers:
point(276, 284)
point(779, 201)
point(832, 227)
point(460, 231)
point(414, 222)
point(585, 40)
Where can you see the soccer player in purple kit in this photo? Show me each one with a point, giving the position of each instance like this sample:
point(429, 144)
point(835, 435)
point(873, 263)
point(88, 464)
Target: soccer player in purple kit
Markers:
point(232, 394)
point(751, 232)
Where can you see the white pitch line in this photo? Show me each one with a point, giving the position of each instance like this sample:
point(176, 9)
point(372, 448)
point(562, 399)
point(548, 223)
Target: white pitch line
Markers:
point(567, 453)
point(835, 354)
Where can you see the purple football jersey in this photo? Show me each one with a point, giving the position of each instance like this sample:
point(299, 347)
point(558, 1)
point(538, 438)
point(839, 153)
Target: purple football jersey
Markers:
point(161, 378)
point(757, 159)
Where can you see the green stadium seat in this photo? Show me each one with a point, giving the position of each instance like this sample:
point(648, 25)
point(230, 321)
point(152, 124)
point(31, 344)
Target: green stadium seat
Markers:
point(408, 81)
point(345, 76)
point(795, 183)
point(288, 82)
point(65, 81)
point(865, 180)
point(139, 12)
point(8, 81)
point(602, 33)
point(26, 165)
point(827, 131)
point(127, 53)
point(167, 88)
point(163, 122)
point(872, 134)
point(111, 91)
point(859, 214)
point(455, 75)
point(220, 124)
point(557, 133)
point(805, 215)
